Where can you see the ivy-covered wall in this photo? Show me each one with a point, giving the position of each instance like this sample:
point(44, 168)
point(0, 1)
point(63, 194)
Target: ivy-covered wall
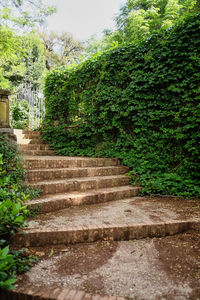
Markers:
point(138, 103)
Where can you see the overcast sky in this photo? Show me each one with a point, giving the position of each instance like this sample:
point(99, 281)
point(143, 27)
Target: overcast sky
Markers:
point(83, 18)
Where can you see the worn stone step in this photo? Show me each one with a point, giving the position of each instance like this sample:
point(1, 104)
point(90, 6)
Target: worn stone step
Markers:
point(52, 203)
point(32, 163)
point(38, 152)
point(134, 210)
point(80, 184)
point(33, 147)
point(48, 174)
point(28, 131)
point(37, 141)
point(31, 134)
point(39, 237)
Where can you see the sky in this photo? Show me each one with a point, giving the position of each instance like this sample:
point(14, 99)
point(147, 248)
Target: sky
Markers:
point(83, 18)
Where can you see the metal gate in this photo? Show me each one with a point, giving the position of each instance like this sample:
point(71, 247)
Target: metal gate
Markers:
point(31, 101)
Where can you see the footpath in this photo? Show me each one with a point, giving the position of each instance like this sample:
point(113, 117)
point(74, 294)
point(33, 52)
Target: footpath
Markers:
point(98, 239)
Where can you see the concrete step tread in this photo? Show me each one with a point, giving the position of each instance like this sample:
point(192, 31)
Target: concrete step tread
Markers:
point(26, 131)
point(57, 157)
point(79, 179)
point(35, 141)
point(32, 145)
point(38, 152)
point(78, 168)
point(40, 144)
point(36, 175)
point(52, 162)
point(59, 201)
point(72, 195)
point(65, 228)
point(134, 210)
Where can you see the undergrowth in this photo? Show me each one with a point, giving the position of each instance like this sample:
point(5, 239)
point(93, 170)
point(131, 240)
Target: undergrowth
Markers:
point(13, 214)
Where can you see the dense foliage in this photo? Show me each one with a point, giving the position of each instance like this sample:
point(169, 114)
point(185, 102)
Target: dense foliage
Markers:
point(12, 213)
point(22, 59)
point(137, 103)
point(24, 14)
point(21, 51)
point(19, 114)
point(138, 19)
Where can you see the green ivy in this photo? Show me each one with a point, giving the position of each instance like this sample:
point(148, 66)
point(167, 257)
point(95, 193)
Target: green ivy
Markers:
point(137, 103)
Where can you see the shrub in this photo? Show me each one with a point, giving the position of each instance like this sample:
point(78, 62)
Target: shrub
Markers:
point(137, 103)
point(19, 114)
point(13, 213)
point(7, 276)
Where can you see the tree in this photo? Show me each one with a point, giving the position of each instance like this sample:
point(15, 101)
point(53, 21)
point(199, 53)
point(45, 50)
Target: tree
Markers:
point(60, 49)
point(21, 54)
point(11, 57)
point(24, 13)
point(140, 18)
point(21, 59)
point(34, 59)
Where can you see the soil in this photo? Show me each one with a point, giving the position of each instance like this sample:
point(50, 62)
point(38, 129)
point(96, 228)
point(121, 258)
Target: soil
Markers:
point(179, 256)
point(159, 268)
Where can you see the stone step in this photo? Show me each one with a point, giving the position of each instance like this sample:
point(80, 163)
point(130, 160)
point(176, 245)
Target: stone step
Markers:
point(63, 235)
point(48, 174)
point(27, 131)
point(32, 163)
point(31, 134)
point(33, 147)
point(129, 211)
point(38, 152)
point(52, 203)
point(37, 141)
point(80, 184)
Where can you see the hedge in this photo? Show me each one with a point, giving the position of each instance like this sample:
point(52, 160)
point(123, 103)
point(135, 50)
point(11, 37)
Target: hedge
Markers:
point(137, 103)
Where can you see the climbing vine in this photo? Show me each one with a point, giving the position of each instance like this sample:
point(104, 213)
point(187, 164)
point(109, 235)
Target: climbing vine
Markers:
point(137, 103)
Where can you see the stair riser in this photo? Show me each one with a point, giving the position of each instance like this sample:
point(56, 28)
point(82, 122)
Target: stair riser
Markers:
point(33, 147)
point(35, 176)
point(50, 206)
point(88, 234)
point(39, 152)
point(55, 188)
point(33, 164)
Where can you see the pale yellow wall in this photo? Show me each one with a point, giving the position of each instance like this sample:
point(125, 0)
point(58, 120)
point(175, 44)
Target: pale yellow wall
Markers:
point(3, 112)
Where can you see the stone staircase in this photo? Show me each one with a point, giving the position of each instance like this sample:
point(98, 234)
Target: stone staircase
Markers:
point(66, 181)
point(85, 200)
point(30, 143)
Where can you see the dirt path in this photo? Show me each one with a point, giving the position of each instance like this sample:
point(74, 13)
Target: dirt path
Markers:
point(159, 268)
